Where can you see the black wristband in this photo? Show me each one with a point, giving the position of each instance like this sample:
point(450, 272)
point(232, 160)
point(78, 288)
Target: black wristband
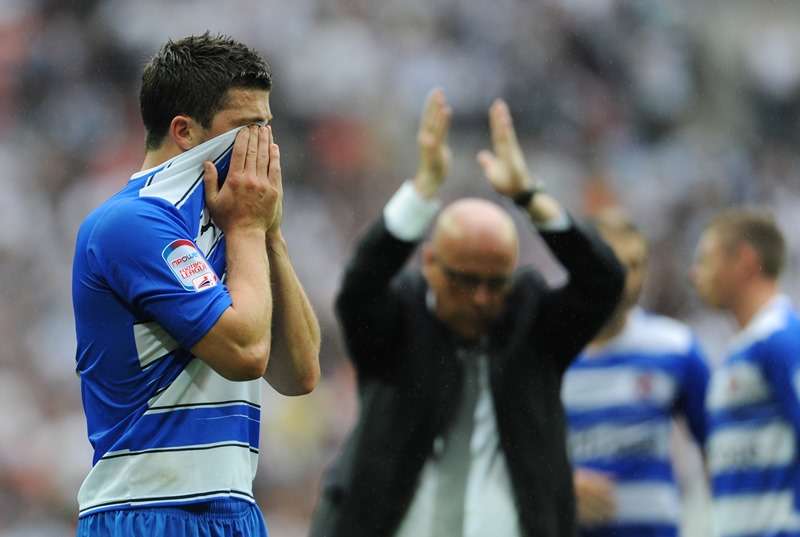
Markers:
point(524, 197)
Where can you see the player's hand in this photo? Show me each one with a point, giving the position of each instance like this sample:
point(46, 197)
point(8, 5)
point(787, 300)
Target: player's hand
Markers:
point(252, 190)
point(275, 227)
point(434, 153)
point(594, 493)
point(277, 179)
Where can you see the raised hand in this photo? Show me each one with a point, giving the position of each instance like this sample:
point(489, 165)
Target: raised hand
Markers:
point(252, 191)
point(505, 168)
point(507, 172)
point(434, 153)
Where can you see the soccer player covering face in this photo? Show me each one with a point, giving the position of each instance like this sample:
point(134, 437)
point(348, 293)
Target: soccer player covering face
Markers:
point(621, 395)
point(752, 404)
point(184, 298)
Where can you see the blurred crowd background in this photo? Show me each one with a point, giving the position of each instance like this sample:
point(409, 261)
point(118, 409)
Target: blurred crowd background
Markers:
point(671, 109)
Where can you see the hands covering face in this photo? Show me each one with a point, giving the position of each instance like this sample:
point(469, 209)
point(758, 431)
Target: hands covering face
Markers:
point(251, 195)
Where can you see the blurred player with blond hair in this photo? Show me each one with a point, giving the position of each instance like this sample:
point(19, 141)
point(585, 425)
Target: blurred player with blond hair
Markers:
point(753, 403)
point(621, 395)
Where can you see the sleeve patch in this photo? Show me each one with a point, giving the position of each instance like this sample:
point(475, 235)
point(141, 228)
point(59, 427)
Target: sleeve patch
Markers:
point(189, 266)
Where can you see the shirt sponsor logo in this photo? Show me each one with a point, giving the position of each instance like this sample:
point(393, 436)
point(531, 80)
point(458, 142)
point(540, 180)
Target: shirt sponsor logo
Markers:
point(735, 457)
point(595, 443)
point(189, 266)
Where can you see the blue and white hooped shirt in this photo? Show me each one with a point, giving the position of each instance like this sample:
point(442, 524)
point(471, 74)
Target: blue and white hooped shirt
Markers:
point(754, 421)
point(147, 286)
point(620, 401)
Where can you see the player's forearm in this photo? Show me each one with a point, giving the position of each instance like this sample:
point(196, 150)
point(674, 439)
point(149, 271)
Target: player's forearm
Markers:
point(238, 345)
point(295, 371)
point(248, 283)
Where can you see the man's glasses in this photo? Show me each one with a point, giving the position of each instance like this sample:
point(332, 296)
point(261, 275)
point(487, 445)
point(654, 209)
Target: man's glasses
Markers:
point(470, 282)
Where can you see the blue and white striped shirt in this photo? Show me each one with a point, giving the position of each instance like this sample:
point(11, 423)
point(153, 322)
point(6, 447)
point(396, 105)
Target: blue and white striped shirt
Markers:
point(620, 400)
point(754, 420)
point(166, 429)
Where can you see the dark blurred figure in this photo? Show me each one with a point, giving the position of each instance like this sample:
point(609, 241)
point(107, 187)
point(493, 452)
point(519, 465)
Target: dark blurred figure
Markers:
point(461, 430)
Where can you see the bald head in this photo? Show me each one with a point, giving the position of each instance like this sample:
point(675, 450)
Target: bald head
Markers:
point(469, 263)
point(475, 227)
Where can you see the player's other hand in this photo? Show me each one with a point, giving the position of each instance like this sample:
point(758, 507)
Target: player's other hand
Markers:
point(276, 179)
point(434, 153)
point(274, 229)
point(594, 493)
point(250, 196)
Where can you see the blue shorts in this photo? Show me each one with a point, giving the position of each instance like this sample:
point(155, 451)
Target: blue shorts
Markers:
point(219, 518)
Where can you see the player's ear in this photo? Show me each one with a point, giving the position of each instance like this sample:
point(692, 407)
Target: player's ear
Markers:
point(185, 132)
point(749, 258)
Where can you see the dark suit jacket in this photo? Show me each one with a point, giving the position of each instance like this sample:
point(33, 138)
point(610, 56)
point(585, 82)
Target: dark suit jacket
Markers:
point(410, 383)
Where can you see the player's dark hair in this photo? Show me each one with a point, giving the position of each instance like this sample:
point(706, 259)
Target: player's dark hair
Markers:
point(758, 229)
point(191, 76)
